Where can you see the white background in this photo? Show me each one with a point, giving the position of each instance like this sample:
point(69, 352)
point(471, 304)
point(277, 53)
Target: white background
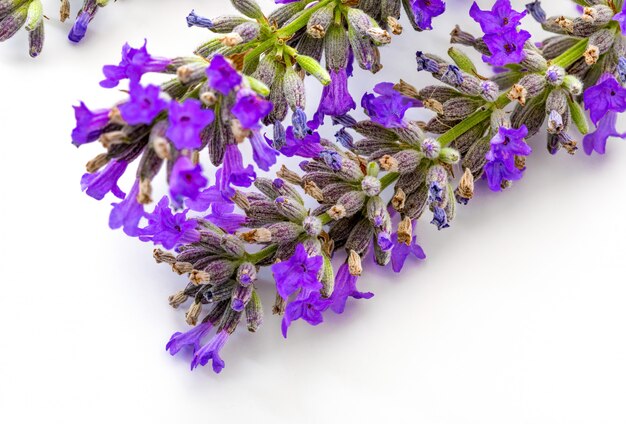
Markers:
point(516, 317)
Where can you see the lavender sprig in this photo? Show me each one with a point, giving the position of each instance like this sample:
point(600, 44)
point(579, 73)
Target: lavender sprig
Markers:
point(359, 197)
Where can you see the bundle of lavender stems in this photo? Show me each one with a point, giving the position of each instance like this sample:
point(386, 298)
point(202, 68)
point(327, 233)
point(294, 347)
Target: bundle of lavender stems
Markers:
point(29, 14)
point(351, 203)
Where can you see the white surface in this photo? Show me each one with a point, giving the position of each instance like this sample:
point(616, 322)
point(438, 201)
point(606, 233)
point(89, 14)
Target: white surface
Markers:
point(517, 317)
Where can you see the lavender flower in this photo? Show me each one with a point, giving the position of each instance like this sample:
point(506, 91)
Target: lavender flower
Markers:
point(191, 338)
point(127, 213)
point(389, 108)
point(506, 48)
point(186, 180)
point(425, 11)
point(299, 272)
point(186, 121)
point(134, 63)
point(89, 125)
point(211, 352)
point(606, 96)
point(144, 105)
point(168, 229)
point(345, 287)
point(501, 18)
point(306, 307)
point(222, 76)
point(501, 164)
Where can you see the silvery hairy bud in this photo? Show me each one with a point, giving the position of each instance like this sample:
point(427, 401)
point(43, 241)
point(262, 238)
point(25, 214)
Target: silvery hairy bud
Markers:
point(416, 203)
point(534, 61)
point(248, 31)
point(290, 209)
point(220, 270)
point(293, 86)
point(555, 75)
point(232, 245)
point(351, 203)
point(246, 274)
point(240, 297)
point(371, 185)
point(489, 91)
point(531, 86)
point(249, 8)
point(284, 232)
point(13, 21)
point(336, 47)
point(573, 85)
point(360, 237)
point(603, 40)
point(266, 70)
point(254, 313)
point(320, 21)
point(365, 52)
point(226, 23)
point(285, 12)
point(35, 40)
point(407, 160)
point(557, 101)
point(460, 108)
point(532, 115)
point(376, 211)
point(359, 20)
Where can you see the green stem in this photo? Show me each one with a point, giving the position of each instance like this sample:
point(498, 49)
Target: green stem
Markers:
point(388, 179)
point(571, 55)
point(258, 51)
point(262, 254)
point(465, 125)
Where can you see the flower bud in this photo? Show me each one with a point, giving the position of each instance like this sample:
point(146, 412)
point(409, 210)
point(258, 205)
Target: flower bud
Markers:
point(293, 86)
point(226, 23)
point(359, 20)
point(407, 161)
point(285, 232)
point(320, 20)
point(573, 85)
point(249, 8)
point(370, 186)
point(450, 156)
point(336, 48)
point(254, 312)
point(534, 61)
point(360, 237)
point(460, 108)
point(241, 297)
point(314, 68)
point(290, 209)
point(220, 270)
point(34, 15)
point(232, 245)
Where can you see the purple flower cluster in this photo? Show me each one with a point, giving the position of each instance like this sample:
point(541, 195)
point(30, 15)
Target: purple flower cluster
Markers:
point(502, 164)
point(502, 37)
